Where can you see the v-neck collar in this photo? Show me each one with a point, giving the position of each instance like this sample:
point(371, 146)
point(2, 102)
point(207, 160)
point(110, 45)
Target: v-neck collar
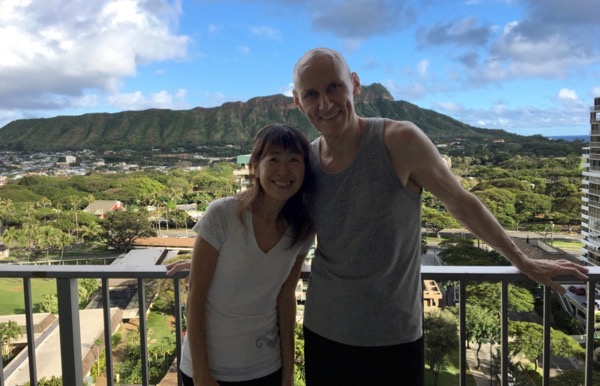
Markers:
point(250, 221)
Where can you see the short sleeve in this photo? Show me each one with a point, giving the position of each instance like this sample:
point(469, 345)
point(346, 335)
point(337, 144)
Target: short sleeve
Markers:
point(215, 224)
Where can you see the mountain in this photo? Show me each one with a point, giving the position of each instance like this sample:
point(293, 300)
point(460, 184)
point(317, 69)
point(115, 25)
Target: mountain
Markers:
point(237, 122)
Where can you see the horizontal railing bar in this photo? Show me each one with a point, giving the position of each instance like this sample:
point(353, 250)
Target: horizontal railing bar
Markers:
point(486, 273)
point(479, 273)
point(87, 271)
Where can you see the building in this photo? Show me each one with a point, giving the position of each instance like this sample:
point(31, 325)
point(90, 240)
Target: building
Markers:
point(101, 207)
point(590, 222)
point(243, 173)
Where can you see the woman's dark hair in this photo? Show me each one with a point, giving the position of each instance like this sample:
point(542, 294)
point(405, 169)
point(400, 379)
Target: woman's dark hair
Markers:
point(296, 211)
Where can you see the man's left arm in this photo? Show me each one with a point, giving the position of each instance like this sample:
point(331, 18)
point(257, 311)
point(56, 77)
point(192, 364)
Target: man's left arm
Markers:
point(418, 162)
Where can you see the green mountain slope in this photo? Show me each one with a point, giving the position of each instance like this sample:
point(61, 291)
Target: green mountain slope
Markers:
point(237, 122)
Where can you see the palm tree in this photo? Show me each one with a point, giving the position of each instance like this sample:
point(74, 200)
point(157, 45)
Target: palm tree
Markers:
point(30, 229)
point(12, 236)
point(43, 202)
point(75, 202)
point(9, 331)
point(47, 238)
point(6, 209)
point(91, 231)
point(62, 240)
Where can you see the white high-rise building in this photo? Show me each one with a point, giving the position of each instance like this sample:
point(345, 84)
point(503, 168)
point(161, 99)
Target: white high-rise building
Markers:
point(590, 222)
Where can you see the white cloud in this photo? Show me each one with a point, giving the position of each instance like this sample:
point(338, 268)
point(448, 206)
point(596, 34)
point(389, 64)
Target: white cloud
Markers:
point(596, 91)
point(138, 101)
point(244, 50)
point(213, 99)
point(266, 32)
point(450, 107)
point(422, 67)
point(65, 49)
point(287, 90)
point(528, 120)
point(565, 93)
point(213, 28)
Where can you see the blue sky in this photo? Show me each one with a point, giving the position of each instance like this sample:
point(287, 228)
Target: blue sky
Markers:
point(525, 66)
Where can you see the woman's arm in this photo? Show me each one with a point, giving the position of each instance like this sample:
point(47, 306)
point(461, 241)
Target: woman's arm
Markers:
point(286, 317)
point(204, 262)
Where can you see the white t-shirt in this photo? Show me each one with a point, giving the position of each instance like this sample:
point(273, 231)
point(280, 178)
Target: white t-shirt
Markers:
point(241, 306)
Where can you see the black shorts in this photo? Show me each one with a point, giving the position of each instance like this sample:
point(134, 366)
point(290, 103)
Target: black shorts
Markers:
point(330, 363)
point(270, 380)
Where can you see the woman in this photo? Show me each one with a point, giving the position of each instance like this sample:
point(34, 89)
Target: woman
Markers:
point(246, 262)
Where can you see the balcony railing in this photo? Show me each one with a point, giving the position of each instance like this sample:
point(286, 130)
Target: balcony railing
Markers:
point(69, 323)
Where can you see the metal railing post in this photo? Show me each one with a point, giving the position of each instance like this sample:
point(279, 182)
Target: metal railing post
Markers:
point(107, 332)
point(29, 328)
point(547, 320)
point(70, 336)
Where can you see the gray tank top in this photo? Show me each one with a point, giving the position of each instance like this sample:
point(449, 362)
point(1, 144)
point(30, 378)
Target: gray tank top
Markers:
point(365, 285)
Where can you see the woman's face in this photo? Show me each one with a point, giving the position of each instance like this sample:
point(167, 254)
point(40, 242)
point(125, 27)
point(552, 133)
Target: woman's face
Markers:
point(280, 173)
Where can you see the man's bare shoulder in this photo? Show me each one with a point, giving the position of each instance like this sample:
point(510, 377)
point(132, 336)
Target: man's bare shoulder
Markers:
point(401, 132)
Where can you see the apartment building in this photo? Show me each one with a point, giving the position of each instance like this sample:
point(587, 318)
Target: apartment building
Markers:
point(590, 222)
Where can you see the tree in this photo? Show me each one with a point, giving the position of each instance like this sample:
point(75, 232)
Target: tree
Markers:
point(567, 210)
point(501, 202)
point(436, 220)
point(9, 331)
point(47, 238)
point(482, 327)
point(542, 229)
point(123, 228)
point(530, 205)
point(487, 295)
point(53, 381)
point(86, 287)
point(63, 240)
point(49, 304)
point(6, 210)
point(91, 231)
point(12, 236)
point(462, 251)
point(528, 342)
point(440, 332)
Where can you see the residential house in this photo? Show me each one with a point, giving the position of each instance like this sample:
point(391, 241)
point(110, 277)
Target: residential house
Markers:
point(101, 207)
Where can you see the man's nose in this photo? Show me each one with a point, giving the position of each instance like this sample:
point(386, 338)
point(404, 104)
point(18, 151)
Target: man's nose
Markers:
point(325, 102)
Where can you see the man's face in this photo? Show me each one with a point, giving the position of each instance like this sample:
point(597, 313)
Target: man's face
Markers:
point(324, 92)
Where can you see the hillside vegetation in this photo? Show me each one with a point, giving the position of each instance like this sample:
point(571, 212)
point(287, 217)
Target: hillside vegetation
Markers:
point(237, 122)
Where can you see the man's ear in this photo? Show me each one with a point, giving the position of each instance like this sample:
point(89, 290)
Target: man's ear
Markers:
point(297, 101)
point(355, 83)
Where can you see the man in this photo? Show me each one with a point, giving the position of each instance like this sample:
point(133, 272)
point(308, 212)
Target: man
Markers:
point(363, 313)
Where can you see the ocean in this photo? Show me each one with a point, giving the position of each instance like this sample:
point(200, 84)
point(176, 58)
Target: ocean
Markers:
point(584, 137)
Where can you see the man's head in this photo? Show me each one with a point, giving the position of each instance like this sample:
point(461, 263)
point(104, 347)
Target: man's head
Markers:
point(324, 89)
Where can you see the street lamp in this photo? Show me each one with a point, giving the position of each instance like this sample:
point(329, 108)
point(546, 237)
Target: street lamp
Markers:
point(551, 233)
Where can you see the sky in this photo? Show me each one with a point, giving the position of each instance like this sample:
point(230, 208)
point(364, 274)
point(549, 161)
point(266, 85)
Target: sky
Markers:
point(524, 66)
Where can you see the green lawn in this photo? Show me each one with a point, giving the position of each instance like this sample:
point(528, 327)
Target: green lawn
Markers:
point(12, 300)
point(449, 374)
point(567, 244)
point(160, 325)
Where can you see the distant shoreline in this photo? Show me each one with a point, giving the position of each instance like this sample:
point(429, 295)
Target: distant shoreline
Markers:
point(582, 137)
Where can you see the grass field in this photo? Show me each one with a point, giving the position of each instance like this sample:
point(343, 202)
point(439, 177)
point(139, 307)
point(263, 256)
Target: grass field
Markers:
point(449, 374)
point(161, 325)
point(567, 244)
point(12, 300)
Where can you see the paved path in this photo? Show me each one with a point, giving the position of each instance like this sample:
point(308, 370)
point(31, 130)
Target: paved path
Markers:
point(481, 375)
